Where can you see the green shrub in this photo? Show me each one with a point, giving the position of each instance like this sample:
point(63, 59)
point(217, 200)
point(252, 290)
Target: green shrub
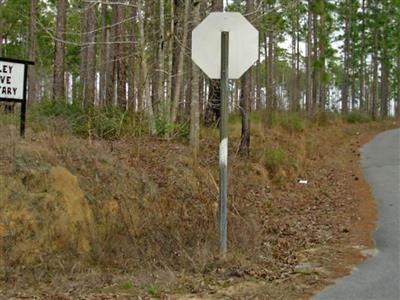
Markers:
point(177, 130)
point(9, 118)
point(234, 118)
point(291, 122)
point(47, 114)
point(126, 285)
point(59, 108)
point(325, 118)
point(106, 123)
point(357, 117)
point(274, 159)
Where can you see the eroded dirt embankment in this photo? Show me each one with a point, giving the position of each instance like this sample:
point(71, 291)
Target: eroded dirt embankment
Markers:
point(139, 211)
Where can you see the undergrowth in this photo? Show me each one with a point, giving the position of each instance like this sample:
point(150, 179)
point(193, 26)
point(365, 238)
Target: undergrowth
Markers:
point(291, 122)
point(115, 123)
point(275, 159)
point(104, 123)
point(357, 117)
point(146, 205)
point(100, 122)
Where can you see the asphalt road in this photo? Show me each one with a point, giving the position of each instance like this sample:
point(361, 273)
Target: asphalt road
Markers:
point(378, 277)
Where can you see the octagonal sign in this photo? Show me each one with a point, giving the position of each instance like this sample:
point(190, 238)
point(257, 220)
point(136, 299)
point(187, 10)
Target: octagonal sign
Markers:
point(206, 44)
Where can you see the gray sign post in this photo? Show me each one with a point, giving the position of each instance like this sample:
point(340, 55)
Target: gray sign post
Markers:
point(236, 40)
point(223, 146)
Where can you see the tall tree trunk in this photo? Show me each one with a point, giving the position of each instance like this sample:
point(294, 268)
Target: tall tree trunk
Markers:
point(375, 79)
point(185, 109)
point(258, 102)
point(114, 55)
point(194, 104)
point(271, 93)
point(398, 87)
point(309, 94)
point(132, 60)
point(161, 55)
point(103, 54)
point(362, 59)
point(90, 74)
point(213, 107)
point(385, 86)
point(144, 69)
point(171, 46)
point(59, 56)
point(1, 32)
point(32, 52)
point(316, 67)
point(110, 66)
point(153, 38)
point(120, 57)
point(353, 91)
point(322, 52)
point(346, 62)
point(367, 88)
point(83, 53)
point(298, 75)
point(294, 105)
point(179, 78)
point(245, 100)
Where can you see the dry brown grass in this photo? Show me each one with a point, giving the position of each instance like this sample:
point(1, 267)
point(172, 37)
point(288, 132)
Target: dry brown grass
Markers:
point(69, 205)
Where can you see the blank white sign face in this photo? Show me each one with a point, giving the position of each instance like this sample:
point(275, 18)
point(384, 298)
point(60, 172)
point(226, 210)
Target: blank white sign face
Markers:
point(243, 44)
point(12, 80)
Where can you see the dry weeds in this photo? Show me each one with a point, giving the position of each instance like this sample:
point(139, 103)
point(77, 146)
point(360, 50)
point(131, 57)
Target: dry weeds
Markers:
point(138, 217)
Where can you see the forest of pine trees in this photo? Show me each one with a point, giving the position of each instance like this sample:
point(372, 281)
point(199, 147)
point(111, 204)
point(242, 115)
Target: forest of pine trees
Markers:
point(314, 56)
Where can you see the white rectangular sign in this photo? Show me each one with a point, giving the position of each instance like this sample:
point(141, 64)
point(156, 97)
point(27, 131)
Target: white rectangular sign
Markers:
point(12, 80)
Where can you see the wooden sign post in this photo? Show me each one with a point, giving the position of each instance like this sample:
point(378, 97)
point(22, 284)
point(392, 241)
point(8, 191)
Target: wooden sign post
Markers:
point(13, 84)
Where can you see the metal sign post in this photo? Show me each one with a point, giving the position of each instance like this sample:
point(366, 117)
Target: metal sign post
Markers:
point(223, 145)
point(236, 40)
point(13, 83)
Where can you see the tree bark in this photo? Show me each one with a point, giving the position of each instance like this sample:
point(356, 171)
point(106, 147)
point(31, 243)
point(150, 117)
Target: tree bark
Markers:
point(179, 78)
point(309, 93)
point(144, 69)
point(171, 46)
point(132, 61)
point(375, 79)
point(292, 87)
point(103, 55)
point(362, 59)
point(258, 102)
point(90, 73)
point(385, 86)
point(161, 55)
point(398, 87)
point(315, 68)
point(271, 93)
point(83, 54)
point(195, 90)
point(346, 62)
point(120, 57)
point(322, 58)
point(1, 32)
point(245, 100)
point(32, 52)
point(213, 108)
point(59, 56)
point(298, 74)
